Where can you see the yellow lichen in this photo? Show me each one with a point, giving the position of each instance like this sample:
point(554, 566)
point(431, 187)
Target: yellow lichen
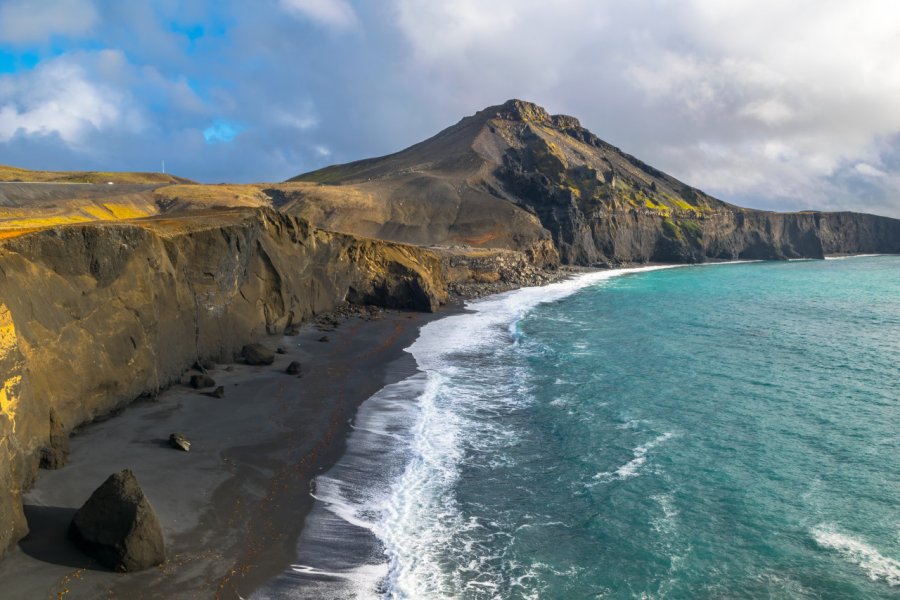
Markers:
point(43, 221)
point(9, 391)
point(124, 211)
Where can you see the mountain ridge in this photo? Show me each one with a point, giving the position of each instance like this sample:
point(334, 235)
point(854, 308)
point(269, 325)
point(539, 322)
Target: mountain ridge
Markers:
point(598, 204)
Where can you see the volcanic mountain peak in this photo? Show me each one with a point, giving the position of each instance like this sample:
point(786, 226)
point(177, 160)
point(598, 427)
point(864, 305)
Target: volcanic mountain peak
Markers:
point(521, 138)
point(513, 175)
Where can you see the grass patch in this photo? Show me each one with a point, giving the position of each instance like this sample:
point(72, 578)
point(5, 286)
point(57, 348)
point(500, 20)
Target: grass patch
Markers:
point(9, 174)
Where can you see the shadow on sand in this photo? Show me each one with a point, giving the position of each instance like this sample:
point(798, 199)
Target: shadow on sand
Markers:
point(48, 541)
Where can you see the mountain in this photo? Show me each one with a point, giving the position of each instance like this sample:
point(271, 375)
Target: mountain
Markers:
point(513, 176)
point(110, 292)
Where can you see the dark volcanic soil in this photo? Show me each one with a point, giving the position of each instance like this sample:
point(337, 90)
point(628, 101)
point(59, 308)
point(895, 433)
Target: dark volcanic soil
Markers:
point(231, 508)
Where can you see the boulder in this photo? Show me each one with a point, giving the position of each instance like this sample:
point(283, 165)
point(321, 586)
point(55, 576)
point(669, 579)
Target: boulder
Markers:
point(118, 526)
point(324, 338)
point(54, 455)
point(202, 381)
point(281, 350)
point(179, 442)
point(257, 354)
point(294, 368)
point(219, 392)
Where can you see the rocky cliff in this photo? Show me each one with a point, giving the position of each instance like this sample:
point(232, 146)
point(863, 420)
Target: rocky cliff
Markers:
point(598, 204)
point(94, 316)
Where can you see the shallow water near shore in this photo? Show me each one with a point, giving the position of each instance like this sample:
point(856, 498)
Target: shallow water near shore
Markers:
point(717, 431)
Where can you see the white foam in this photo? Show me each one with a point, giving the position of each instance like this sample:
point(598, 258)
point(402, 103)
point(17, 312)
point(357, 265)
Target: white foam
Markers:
point(631, 468)
point(422, 519)
point(851, 256)
point(396, 479)
point(877, 566)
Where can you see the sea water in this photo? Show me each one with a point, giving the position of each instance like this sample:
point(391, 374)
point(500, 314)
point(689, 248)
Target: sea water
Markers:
point(722, 431)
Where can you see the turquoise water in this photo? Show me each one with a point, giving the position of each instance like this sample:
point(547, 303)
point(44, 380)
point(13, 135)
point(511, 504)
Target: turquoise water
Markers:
point(724, 431)
point(709, 432)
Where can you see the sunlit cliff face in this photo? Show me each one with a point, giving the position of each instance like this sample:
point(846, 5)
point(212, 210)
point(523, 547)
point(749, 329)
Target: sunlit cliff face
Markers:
point(11, 360)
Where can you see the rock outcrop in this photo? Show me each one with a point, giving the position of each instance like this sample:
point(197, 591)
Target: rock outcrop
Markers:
point(513, 176)
point(295, 368)
point(179, 442)
point(56, 452)
point(93, 316)
point(118, 526)
point(257, 354)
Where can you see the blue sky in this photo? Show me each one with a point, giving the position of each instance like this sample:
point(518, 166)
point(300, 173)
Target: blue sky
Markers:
point(770, 104)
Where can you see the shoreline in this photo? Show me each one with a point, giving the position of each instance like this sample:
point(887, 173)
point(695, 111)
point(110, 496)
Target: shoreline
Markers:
point(342, 551)
point(233, 508)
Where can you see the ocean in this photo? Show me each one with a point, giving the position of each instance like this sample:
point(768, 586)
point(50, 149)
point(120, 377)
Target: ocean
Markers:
point(716, 431)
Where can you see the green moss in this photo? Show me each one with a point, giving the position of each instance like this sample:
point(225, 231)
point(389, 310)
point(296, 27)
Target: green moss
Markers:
point(670, 229)
point(691, 228)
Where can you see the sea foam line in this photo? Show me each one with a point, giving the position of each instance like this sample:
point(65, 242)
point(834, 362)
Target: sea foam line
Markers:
point(877, 566)
point(631, 468)
point(851, 256)
point(420, 518)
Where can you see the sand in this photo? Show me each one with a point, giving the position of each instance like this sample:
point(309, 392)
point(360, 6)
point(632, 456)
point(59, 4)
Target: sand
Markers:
point(233, 507)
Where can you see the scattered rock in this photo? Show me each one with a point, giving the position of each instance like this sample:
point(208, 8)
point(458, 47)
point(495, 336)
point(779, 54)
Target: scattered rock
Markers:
point(55, 455)
point(229, 368)
point(205, 365)
point(118, 526)
point(179, 442)
point(281, 350)
point(324, 338)
point(292, 331)
point(257, 354)
point(202, 381)
point(294, 368)
point(219, 392)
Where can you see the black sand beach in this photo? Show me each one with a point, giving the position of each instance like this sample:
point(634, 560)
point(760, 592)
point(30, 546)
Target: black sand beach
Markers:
point(233, 507)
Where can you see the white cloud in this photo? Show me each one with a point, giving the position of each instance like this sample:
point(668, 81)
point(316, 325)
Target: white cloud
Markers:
point(337, 14)
point(868, 170)
point(63, 97)
point(758, 98)
point(29, 21)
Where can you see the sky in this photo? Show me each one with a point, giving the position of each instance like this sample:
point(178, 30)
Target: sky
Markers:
point(765, 103)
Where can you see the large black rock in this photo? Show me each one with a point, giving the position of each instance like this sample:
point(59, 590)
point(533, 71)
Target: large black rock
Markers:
point(257, 354)
point(118, 527)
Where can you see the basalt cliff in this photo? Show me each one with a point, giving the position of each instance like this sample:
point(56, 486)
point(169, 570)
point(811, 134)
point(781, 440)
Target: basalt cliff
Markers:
point(514, 176)
point(112, 285)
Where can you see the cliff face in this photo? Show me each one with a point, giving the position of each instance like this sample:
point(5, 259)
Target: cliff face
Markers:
point(94, 316)
point(598, 204)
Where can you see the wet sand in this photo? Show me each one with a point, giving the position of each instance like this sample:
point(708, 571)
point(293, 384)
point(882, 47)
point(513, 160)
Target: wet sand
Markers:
point(233, 507)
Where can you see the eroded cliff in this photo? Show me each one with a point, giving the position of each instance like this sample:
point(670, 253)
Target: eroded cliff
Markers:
point(97, 315)
point(519, 175)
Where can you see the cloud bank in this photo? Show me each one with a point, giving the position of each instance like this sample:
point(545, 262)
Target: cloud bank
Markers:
point(770, 104)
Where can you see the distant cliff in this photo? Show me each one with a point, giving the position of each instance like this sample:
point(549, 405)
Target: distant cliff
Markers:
point(513, 175)
point(108, 292)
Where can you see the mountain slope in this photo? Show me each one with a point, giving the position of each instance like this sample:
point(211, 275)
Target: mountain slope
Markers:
point(513, 175)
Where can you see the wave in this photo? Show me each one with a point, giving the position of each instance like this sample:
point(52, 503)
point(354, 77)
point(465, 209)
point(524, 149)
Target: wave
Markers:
point(877, 566)
point(851, 256)
point(385, 514)
point(631, 468)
